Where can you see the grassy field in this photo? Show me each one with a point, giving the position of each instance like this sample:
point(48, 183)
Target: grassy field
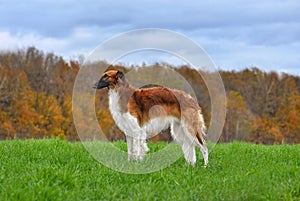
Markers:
point(59, 170)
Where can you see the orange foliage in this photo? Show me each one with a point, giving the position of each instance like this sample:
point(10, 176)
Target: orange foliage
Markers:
point(36, 100)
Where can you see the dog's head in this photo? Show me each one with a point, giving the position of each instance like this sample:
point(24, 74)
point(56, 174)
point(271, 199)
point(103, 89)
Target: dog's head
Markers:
point(111, 79)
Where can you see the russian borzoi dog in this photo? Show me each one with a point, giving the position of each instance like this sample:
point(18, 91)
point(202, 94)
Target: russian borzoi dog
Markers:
point(141, 112)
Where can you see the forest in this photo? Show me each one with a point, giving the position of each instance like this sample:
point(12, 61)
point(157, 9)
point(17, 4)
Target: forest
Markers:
point(36, 100)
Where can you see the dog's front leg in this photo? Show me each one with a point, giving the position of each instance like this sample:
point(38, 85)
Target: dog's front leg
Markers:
point(140, 144)
point(144, 146)
point(137, 147)
point(130, 150)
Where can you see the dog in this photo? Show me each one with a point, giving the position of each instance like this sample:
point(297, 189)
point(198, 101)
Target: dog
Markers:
point(141, 112)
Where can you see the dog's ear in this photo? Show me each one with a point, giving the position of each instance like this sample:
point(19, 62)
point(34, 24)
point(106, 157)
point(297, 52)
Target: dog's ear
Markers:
point(120, 75)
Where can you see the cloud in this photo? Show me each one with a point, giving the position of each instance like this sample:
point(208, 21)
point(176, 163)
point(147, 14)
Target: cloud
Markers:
point(12, 42)
point(80, 38)
point(235, 33)
point(60, 18)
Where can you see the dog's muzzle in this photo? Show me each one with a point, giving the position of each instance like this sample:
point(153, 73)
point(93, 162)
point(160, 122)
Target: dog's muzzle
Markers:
point(100, 85)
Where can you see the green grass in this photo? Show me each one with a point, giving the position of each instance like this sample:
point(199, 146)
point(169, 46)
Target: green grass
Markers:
point(59, 170)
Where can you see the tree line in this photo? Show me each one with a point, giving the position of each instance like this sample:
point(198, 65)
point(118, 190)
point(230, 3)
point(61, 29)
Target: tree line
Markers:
point(36, 100)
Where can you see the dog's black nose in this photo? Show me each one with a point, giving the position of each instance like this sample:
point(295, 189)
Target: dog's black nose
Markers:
point(95, 85)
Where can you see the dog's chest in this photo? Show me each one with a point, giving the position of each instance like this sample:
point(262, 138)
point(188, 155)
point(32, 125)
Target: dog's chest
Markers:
point(124, 120)
point(114, 106)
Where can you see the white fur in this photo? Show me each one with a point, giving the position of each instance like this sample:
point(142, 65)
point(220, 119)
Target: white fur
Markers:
point(136, 136)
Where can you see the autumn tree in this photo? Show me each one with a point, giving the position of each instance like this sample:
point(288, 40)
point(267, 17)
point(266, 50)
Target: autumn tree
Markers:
point(238, 118)
point(16, 105)
point(36, 99)
point(288, 111)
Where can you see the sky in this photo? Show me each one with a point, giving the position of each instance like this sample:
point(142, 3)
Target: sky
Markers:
point(236, 33)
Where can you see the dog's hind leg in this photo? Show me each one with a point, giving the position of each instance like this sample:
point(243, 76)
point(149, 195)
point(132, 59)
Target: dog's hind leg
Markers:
point(181, 136)
point(203, 149)
point(189, 152)
point(196, 128)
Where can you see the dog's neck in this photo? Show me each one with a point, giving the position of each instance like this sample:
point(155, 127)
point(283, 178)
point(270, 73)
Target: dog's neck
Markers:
point(119, 97)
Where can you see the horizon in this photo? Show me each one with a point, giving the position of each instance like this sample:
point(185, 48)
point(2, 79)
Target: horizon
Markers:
point(127, 63)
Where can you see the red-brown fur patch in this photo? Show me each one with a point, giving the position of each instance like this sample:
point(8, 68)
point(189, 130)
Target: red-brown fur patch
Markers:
point(143, 100)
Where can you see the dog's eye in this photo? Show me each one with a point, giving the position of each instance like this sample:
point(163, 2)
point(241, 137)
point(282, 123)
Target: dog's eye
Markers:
point(105, 76)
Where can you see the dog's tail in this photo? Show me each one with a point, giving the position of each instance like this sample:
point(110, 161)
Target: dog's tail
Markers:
point(201, 132)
